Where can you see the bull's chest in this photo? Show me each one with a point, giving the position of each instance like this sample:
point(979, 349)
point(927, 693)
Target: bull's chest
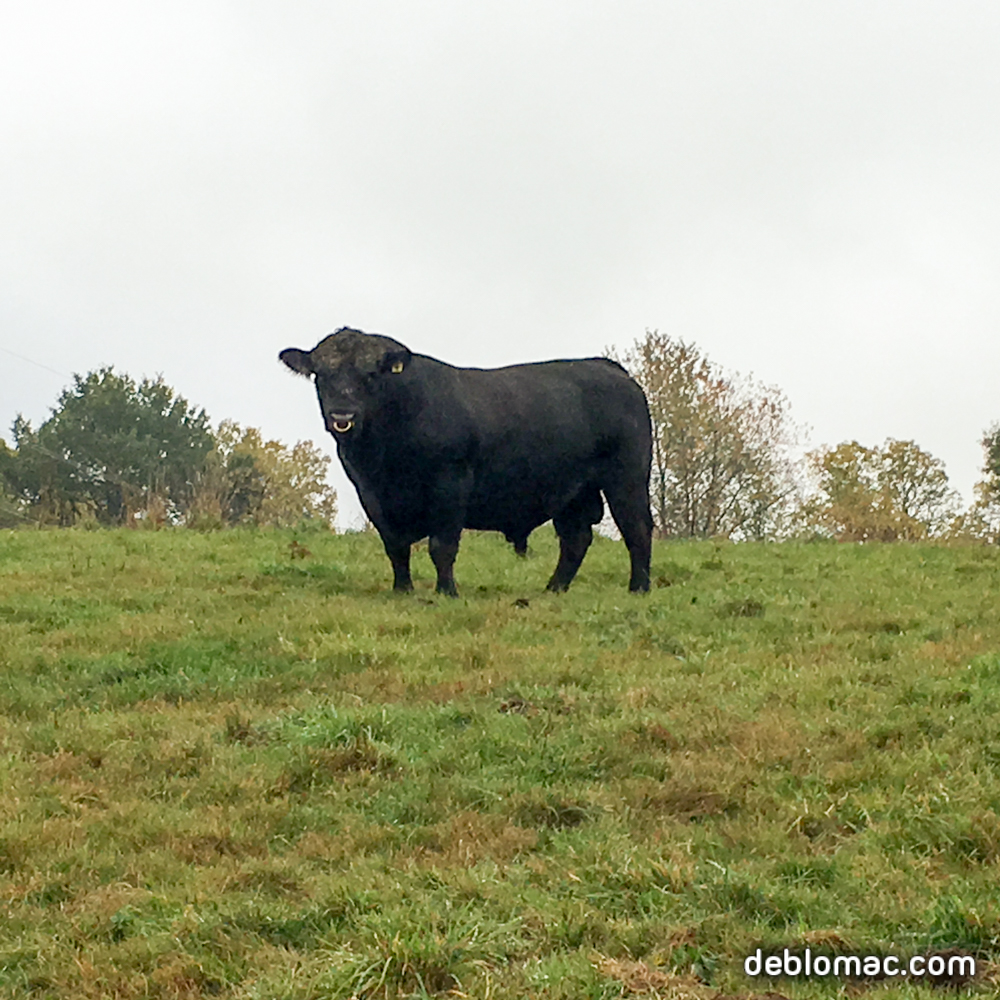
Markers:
point(396, 490)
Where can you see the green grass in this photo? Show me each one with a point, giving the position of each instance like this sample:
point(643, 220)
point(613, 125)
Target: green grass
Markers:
point(228, 772)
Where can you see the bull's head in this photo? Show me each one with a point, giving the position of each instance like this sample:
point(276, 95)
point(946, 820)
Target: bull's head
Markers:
point(350, 369)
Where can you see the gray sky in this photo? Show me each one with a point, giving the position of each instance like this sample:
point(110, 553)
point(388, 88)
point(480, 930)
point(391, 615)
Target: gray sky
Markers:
point(809, 191)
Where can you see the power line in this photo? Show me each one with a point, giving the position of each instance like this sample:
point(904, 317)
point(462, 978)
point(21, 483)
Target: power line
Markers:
point(37, 364)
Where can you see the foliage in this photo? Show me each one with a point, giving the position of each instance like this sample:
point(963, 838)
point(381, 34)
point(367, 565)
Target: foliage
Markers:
point(721, 464)
point(228, 771)
point(116, 451)
point(112, 448)
point(982, 521)
point(247, 480)
point(991, 446)
point(10, 505)
point(894, 492)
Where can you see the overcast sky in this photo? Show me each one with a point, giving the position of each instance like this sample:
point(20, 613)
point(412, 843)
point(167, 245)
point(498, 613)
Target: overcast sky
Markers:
point(809, 191)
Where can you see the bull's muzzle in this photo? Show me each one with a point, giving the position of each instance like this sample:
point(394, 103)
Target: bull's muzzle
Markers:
point(341, 422)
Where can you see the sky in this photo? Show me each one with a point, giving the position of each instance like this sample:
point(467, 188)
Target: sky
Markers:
point(808, 191)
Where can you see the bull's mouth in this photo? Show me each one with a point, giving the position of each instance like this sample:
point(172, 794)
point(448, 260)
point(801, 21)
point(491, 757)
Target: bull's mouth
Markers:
point(341, 423)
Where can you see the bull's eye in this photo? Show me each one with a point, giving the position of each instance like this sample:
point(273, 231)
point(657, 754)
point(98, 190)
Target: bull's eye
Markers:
point(397, 367)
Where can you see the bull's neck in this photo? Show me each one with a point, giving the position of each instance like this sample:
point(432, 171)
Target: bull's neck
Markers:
point(382, 440)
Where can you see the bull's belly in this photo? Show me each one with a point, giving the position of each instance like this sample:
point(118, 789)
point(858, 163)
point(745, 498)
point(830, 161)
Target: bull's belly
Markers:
point(519, 506)
point(513, 524)
point(416, 522)
point(513, 504)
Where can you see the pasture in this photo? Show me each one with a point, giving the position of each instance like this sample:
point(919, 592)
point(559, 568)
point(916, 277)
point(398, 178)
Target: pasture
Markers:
point(236, 765)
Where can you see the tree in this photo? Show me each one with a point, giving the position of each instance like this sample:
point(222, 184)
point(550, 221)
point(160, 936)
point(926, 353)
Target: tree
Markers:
point(11, 513)
point(991, 467)
point(916, 485)
point(112, 447)
point(894, 492)
point(982, 520)
point(247, 480)
point(115, 450)
point(721, 464)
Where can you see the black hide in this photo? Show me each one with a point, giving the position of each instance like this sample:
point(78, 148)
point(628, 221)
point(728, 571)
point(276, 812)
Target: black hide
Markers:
point(433, 449)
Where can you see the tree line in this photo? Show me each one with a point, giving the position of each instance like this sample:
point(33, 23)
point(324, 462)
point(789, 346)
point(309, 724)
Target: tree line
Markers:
point(727, 463)
point(120, 452)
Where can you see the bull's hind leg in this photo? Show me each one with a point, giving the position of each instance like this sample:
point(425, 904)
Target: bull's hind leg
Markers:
point(443, 549)
point(520, 543)
point(573, 526)
point(630, 508)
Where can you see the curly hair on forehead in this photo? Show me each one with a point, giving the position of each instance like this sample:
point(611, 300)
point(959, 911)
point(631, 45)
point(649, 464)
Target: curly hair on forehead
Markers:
point(350, 346)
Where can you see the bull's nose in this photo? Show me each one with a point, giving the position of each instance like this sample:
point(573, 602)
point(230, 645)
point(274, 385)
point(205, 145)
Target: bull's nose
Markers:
point(341, 422)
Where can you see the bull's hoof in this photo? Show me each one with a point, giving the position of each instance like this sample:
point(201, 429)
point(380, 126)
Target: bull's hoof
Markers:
point(557, 586)
point(447, 589)
point(403, 588)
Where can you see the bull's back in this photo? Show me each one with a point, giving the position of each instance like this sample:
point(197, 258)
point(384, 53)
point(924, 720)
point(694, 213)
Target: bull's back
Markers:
point(541, 432)
point(562, 406)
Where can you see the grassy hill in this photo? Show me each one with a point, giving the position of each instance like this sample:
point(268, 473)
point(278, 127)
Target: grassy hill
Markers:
point(229, 768)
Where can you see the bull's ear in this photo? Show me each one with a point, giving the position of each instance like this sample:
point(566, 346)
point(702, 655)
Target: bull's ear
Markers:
point(299, 361)
point(394, 361)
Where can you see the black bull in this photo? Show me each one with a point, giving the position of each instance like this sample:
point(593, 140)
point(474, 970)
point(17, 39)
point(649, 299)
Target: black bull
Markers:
point(433, 449)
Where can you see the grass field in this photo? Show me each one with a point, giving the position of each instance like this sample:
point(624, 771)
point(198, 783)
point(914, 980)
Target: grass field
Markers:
point(232, 769)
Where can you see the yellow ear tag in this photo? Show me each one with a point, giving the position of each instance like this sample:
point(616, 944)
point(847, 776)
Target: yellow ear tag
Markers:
point(397, 367)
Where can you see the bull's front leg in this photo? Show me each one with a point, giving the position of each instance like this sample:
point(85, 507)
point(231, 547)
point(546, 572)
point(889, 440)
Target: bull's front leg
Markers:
point(449, 498)
point(399, 556)
point(396, 549)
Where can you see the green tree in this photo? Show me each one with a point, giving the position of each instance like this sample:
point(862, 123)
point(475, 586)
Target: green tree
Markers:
point(11, 513)
point(896, 492)
point(112, 448)
point(721, 463)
